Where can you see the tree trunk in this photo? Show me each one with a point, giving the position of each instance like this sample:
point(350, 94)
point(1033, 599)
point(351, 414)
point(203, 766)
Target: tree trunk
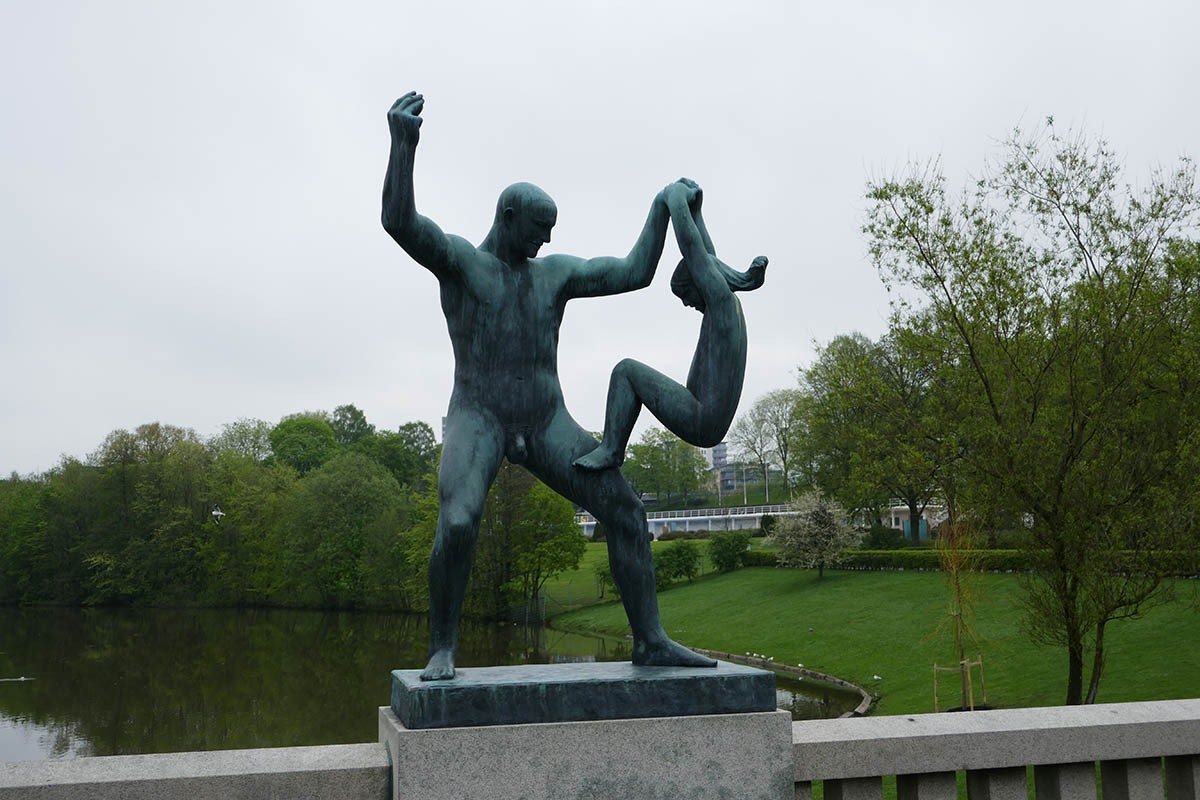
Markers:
point(914, 522)
point(1074, 662)
point(1097, 664)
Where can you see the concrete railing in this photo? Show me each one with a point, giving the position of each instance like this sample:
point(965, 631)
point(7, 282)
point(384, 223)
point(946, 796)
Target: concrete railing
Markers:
point(1135, 751)
point(332, 772)
point(1141, 749)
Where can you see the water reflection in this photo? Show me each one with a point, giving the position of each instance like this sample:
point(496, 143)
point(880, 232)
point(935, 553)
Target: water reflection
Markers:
point(119, 681)
point(112, 682)
point(808, 699)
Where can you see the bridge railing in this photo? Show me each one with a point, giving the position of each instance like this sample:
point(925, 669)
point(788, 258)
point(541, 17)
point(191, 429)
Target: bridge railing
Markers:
point(1129, 751)
point(693, 513)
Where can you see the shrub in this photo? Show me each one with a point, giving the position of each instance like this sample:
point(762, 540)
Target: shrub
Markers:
point(726, 550)
point(760, 558)
point(768, 524)
point(678, 561)
point(881, 537)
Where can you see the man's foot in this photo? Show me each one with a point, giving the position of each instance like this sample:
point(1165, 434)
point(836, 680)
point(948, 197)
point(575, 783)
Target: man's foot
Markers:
point(440, 667)
point(668, 654)
point(598, 459)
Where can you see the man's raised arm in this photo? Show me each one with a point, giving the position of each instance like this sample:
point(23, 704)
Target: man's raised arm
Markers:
point(609, 275)
point(420, 237)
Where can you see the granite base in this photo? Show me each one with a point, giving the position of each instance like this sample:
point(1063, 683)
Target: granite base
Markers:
point(747, 756)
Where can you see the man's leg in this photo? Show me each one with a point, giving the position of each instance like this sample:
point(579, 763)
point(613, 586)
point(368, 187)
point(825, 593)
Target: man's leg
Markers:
point(471, 454)
point(607, 496)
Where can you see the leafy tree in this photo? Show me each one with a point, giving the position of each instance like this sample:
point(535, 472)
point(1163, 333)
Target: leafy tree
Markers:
point(393, 451)
point(779, 412)
point(246, 437)
point(235, 554)
point(527, 535)
point(549, 541)
point(754, 440)
point(349, 425)
point(815, 535)
point(831, 414)
point(336, 515)
point(662, 463)
point(725, 549)
point(418, 438)
point(1064, 326)
point(876, 400)
point(303, 442)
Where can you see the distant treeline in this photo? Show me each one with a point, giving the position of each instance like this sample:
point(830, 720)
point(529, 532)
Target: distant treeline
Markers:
point(319, 510)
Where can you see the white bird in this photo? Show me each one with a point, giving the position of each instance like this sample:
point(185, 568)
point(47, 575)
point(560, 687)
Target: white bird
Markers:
point(217, 513)
point(878, 677)
point(799, 665)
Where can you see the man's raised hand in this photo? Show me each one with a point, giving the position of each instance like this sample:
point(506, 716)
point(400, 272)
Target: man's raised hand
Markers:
point(404, 117)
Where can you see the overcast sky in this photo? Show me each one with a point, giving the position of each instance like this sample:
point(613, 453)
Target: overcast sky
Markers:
point(189, 192)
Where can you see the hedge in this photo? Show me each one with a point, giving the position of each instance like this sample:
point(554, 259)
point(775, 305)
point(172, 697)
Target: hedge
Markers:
point(759, 558)
point(1188, 563)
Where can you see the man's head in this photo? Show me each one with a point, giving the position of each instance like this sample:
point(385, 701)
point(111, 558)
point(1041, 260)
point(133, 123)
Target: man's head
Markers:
point(524, 216)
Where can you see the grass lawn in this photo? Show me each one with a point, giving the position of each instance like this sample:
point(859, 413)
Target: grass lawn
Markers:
point(886, 623)
point(578, 588)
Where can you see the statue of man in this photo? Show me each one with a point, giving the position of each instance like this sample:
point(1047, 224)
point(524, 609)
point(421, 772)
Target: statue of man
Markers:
point(503, 308)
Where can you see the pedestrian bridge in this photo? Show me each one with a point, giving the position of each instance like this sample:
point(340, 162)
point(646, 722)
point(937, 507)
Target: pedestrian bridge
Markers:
point(729, 518)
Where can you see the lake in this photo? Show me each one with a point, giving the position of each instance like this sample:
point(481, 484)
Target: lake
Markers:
point(121, 681)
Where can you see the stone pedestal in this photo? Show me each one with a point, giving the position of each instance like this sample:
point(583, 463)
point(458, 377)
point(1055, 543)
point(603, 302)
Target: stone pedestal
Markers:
point(594, 731)
point(747, 756)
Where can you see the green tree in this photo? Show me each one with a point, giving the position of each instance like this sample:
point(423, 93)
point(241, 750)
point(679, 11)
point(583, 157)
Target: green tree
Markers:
point(349, 425)
point(875, 400)
point(1065, 327)
point(235, 554)
point(246, 437)
point(334, 518)
point(663, 464)
point(303, 442)
point(548, 542)
point(418, 438)
point(406, 456)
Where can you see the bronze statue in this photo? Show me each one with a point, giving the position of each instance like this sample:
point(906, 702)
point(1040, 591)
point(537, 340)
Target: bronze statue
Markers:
point(503, 307)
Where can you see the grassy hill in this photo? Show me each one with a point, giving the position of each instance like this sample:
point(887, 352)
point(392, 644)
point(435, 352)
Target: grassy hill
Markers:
point(857, 625)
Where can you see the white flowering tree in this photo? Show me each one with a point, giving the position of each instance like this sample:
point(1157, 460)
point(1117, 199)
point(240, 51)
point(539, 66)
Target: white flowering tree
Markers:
point(815, 535)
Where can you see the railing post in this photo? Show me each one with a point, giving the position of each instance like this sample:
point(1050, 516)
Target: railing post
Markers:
point(854, 789)
point(1183, 777)
point(1005, 783)
point(1132, 779)
point(927, 786)
point(1065, 781)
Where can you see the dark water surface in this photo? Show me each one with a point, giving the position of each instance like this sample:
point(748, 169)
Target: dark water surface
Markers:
point(120, 681)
